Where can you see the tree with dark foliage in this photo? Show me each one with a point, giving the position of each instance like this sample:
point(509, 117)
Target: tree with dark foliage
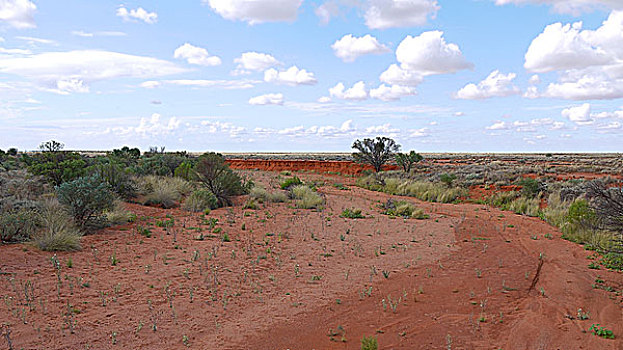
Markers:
point(51, 146)
point(406, 160)
point(375, 152)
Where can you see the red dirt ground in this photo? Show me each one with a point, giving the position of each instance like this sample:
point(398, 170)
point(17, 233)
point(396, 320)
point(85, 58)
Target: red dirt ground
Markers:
point(302, 279)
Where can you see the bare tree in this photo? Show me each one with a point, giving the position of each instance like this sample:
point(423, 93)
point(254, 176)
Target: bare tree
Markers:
point(375, 152)
point(608, 204)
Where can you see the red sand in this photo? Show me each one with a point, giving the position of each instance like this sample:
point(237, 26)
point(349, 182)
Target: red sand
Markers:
point(299, 279)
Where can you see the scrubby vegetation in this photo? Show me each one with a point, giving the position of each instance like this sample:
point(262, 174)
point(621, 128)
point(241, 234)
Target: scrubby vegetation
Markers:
point(305, 198)
point(423, 190)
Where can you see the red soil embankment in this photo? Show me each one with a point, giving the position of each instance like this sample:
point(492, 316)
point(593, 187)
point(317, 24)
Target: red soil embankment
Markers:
point(341, 167)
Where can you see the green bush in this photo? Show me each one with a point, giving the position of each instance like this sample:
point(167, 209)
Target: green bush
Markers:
point(117, 177)
point(212, 171)
point(57, 167)
point(18, 226)
point(290, 182)
point(86, 198)
point(57, 232)
point(530, 187)
point(369, 343)
point(353, 213)
point(184, 170)
point(447, 179)
point(306, 198)
point(199, 201)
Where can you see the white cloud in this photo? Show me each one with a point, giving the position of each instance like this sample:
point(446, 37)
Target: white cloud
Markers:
point(385, 129)
point(66, 86)
point(85, 67)
point(256, 11)
point(590, 62)
point(397, 76)
point(531, 92)
point(84, 34)
point(217, 127)
point(459, 114)
point(18, 13)
point(292, 76)
point(137, 14)
point(535, 79)
point(254, 62)
point(34, 40)
point(324, 99)
point(429, 54)
point(580, 115)
point(326, 11)
point(202, 83)
point(349, 48)
point(152, 126)
point(346, 129)
point(574, 7)
point(423, 132)
point(495, 85)
point(391, 93)
point(196, 55)
point(383, 14)
point(15, 51)
point(268, 99)
point(356, 92)
point(498, 125)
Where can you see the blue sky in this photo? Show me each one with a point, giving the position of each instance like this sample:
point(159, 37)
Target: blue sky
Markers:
point(299, 75)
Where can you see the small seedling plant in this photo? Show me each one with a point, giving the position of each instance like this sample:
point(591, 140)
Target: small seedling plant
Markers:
point(601, 331)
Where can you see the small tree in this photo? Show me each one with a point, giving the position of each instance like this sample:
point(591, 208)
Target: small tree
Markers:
point(375, 152)
point(216, 175)
point(51, 146)
point(406, 160)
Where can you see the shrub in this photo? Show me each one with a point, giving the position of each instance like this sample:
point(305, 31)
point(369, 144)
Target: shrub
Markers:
point(369, 343)
point(215, 174)
point(159, 164)
point(530, 187)
point(164, 193)
point(199, 201)
point(184, 171)
point(423, 190)
point(447, 179)
point(86, 198)
point(352, 214)
point(306, 198)
point(58, 232)
point(524, 206)
point(406, 160)
point(403, 209)
point(250, 204)
point(57, 167)
point(117, 177)
point(291, 182)
point(18, 226)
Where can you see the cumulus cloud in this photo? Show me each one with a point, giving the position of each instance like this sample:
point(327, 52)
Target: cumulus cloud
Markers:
point(346, 129)
point(267, 99)
point(196, 55)
point(254, 62)
point(590, 62)
point(74, 70)
point(152, 126)
point(257, 11)
point(429, 53)
point(495, 85)
point(574, 7)
point(18, 13)
point(383, 14)
point(349, 48)
point(580, 115)
point(217, 127)
point(391, 93)
point(397, 76)
point(326, 11)
point(139, 14)
point(292, 76)
point(356, 92)
point(498, 125)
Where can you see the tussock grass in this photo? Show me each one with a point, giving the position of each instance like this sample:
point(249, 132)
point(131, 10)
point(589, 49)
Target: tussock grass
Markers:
point(423, 190)
point(200, 201)
point(58, 232)
point(263, 196)
point(119, 215)
point(166, 191)
point(306, 198)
